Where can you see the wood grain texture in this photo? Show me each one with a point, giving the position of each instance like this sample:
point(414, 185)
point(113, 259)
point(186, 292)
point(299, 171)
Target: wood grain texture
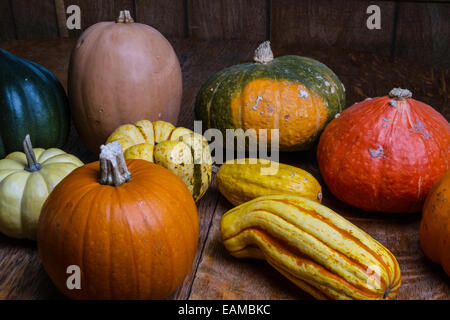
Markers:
point(423, 32)
point(227, 19)
point(168, 17)
point(331, 24)
point(215, 274)
point(7, 28)
point(98, 10)
point(35, 19)
point(60, 11)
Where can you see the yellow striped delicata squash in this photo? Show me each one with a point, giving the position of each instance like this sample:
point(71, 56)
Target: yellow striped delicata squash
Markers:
point(180, 150)
point(314, 247)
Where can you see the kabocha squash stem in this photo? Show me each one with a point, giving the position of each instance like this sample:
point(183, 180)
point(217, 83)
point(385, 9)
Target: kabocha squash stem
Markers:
point(32, 164)
point(263, 54)
point(113, 168)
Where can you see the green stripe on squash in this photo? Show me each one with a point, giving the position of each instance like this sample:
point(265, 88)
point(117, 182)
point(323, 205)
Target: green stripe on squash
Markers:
point(32, 101)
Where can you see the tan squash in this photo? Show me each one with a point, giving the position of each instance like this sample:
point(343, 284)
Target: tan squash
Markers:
point(180, 150)
point(121, 72)
point(242, 180)
point(314, 247)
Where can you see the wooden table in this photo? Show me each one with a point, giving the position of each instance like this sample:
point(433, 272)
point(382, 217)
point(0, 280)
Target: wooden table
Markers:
point(215, 274)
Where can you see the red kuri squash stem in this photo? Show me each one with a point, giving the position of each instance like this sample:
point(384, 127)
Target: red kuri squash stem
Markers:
point(32, 164)
point(113, 168)
point(400, 94)
point(124, 17)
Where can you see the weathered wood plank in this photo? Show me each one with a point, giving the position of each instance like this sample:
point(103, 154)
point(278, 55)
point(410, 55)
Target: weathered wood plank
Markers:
point(7, 28)
point(200, 59)
point(227, 19)
point(168, 17)
point(206, 208)
point(423, 32)
point(330, 24)
point(35, 19)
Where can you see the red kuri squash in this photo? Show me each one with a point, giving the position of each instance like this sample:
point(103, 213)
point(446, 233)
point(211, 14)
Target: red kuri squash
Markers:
point(384, 154)
point(122, 72)
point(132, 233)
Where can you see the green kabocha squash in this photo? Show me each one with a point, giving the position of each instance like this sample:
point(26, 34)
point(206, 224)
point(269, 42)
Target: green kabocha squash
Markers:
point(32, 101)
point(294, 94)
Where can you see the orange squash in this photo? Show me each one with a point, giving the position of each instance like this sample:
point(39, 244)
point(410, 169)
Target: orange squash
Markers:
point(296, 95)
point(121, 72)
point(435, 224)
point(384, 154)
point(133, 233)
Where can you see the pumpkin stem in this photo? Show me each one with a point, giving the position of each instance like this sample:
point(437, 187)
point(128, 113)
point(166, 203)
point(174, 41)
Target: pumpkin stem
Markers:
point(113, 168)
point(32, 164)
point(400, 94)
point(263, 54)
point(124, 17)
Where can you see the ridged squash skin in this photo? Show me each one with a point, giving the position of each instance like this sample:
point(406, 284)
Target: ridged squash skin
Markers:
point(435, 224)
point(243, 180)
point(23, 193)
point(294, 94)
point(133, 241)
point(385, 153)
point(178, 149)
point(32, 101)
point(314, 247)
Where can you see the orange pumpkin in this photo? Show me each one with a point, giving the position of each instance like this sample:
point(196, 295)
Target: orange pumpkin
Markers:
point(133, 233)
point(122, 72)
point(435, 224)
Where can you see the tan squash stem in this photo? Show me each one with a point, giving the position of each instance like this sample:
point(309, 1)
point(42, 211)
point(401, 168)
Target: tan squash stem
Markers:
point(124, 17)
point(263, 54)
point(32, 164)
point(113, 168)
point(400, 94)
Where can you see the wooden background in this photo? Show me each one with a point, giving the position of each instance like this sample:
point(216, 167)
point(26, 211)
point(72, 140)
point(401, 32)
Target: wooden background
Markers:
point(414, 30)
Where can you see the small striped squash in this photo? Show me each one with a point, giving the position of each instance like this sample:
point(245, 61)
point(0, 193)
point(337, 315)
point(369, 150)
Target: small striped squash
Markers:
point(180, 150)
point(312, 246)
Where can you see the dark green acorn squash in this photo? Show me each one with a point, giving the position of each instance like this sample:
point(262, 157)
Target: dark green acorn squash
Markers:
point(32, 101)
point(296, 95)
